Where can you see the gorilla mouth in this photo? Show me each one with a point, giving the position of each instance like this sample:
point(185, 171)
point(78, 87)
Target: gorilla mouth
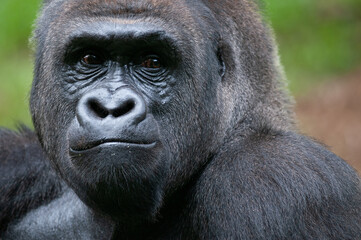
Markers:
point(126, 143)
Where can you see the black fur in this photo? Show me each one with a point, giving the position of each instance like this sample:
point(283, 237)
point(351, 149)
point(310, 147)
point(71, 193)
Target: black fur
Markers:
point(166, 120)
point(27, 181)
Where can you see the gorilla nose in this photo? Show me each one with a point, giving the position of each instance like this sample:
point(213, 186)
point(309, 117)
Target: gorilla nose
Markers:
point(111, 108)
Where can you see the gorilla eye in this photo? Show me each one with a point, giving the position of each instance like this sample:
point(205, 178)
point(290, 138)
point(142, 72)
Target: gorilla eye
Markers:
point(92, 59)
point(151, 62)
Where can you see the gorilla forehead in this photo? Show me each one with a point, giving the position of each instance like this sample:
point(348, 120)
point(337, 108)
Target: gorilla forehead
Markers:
point(173, 11)
point(115, 7)
point(177, 19)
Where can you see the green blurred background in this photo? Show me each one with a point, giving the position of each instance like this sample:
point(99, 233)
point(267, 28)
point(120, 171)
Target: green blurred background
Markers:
point(317, 39)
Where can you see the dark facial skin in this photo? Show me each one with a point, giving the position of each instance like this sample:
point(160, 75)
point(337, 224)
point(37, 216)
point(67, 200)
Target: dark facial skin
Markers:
point(121, 77)
point(121, 93)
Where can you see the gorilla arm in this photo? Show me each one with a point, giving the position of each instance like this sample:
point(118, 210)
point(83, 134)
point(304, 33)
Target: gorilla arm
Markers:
point(26, 179)
point(276, 186)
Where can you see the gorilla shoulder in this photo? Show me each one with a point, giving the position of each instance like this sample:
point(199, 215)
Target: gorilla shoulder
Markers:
point(276, 184)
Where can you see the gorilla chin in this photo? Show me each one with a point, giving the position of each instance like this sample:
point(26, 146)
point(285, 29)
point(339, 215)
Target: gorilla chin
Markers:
point(120, 179)
point(118, 170)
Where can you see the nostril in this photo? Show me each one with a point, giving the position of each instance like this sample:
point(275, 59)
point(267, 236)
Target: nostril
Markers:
point(98, 109)
point(123, 109)
point(107, 108)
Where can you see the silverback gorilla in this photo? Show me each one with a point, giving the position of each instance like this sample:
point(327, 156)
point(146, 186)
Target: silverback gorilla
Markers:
point(160, 119)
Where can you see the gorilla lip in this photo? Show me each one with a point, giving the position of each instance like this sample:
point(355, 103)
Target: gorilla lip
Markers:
point(90, 145)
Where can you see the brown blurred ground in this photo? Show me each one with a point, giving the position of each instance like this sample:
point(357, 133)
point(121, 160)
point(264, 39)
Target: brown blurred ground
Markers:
point(331, 114)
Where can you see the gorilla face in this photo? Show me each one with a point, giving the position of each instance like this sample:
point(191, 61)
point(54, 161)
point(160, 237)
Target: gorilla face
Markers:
point(124, 102)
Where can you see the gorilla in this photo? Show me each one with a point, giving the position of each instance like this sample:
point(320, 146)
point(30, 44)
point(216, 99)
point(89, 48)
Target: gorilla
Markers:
point(160, 119)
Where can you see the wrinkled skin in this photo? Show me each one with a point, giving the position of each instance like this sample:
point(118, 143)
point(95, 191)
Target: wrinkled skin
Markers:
point(167, 120)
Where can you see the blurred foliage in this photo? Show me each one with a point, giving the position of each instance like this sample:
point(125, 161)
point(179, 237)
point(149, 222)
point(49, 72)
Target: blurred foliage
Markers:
point(16, 21)
point(317, 40)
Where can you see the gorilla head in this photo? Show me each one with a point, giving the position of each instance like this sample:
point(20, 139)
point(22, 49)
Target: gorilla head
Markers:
point(131, 98)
